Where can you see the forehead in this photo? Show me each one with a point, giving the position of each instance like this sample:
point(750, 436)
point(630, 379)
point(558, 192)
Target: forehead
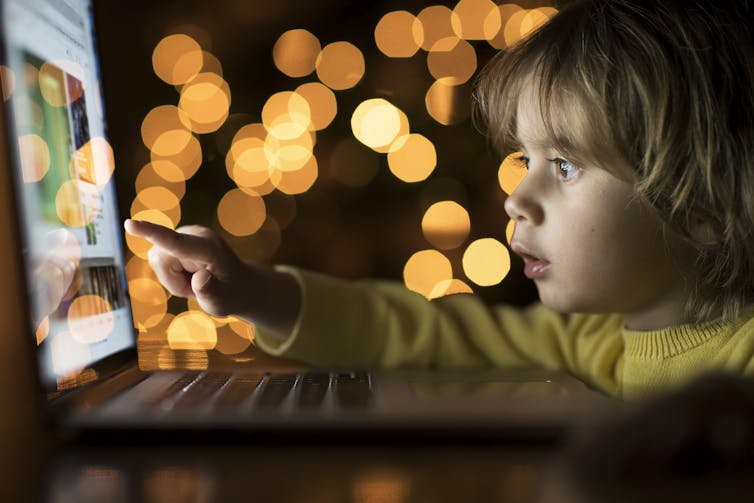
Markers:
point(530, 124)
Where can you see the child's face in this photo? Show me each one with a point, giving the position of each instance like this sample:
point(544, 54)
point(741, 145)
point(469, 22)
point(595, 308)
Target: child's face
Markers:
point(588, 243)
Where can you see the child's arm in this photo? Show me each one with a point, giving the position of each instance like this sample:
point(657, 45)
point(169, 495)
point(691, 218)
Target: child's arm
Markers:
point(193, 261)
point(368, 324)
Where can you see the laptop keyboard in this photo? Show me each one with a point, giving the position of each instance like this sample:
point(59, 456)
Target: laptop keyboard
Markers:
point(225, 390)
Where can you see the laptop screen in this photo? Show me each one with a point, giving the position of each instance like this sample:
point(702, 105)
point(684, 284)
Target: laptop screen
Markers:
point(65, 196)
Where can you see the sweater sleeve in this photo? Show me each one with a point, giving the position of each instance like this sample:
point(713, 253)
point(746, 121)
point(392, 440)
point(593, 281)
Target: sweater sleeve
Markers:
point(373, 324)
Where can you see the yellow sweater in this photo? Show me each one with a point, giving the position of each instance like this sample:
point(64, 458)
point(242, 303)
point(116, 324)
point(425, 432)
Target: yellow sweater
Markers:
point(373, 324)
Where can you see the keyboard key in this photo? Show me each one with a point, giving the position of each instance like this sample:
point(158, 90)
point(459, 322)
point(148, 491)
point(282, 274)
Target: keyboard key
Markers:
point(274, 390)
point(312, 389)
point(200, 391)
point(353, 389)
point(166, 396)
point(238, 390)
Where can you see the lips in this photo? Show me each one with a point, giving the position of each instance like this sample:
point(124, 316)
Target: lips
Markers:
point(535, 267)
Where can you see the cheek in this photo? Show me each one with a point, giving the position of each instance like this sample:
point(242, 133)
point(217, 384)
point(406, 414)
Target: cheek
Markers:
point(611, 246)
point(625, 253)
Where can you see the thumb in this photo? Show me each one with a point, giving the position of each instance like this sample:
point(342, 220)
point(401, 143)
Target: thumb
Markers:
point(207, 290)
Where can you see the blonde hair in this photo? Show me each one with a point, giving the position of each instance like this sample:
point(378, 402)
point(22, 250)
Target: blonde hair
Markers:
point(668, 86)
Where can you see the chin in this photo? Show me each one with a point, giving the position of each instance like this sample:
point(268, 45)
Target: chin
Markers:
point(567, 304)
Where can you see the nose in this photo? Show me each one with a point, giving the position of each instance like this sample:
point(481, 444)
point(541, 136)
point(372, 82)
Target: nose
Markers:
point(522, 204)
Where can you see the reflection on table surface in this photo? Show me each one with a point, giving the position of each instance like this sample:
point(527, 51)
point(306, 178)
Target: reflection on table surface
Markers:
point(314, 472)
point(322, 472)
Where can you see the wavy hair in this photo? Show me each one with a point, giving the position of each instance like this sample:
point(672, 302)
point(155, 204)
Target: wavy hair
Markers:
point(668, 86)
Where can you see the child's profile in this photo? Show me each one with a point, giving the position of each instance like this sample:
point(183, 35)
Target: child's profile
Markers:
point(636, 122)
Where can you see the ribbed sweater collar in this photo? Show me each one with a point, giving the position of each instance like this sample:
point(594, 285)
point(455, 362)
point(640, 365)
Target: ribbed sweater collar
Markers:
point(671, 341)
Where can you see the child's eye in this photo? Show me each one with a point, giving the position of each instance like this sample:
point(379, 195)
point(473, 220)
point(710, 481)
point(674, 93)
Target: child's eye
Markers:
point(565, 169)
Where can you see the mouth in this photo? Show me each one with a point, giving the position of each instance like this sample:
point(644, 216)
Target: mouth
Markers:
point(535, 267)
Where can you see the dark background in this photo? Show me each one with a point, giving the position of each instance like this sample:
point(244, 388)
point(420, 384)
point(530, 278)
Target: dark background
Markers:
point(349, 232)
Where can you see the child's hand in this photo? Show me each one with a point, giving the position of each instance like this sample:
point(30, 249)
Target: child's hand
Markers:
point(193, 261)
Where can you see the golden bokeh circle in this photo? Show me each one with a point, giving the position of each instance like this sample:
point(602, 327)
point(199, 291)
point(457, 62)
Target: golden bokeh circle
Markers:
point(241, 213)
point(295, 52)
point(192, 330)
point(340, 65)
point(412, 158)
point(446, 224)
point(399, 34)
point(177, 58)
point(425, 269)
point(511, 172)
point(486, 262)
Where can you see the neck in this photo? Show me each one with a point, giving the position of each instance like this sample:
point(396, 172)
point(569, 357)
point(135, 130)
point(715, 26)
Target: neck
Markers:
point(663, 313)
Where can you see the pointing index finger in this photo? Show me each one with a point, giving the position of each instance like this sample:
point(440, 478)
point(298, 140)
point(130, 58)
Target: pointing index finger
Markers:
point(182, 245)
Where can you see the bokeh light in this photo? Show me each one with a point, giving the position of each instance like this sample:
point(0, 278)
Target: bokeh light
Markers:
point(35, 157)
point(296, 182)
point(449, 287)
point(323, 105)
point(206, 101)
point(289, 154)
point(77, 204)
point(399, 34)
point(509, 230)
point(412, 158)
point(80, 323)
point(187, 160)
point(286, 115)
point(94, 162)
point(511, 172)
point(505, 11)
point(166, 130)
point(185, 359)
point(149, 301)
point(475, 19)
point(453, 59)
point(446, 225)
point(192, 330)
point(340, 65)
point(241, 213)
point(535, 18)
point(149, 177)
point(448, 103)
point(425, 269)
point(486, 262)
point(436, 24)
point(295, 52)
point(376, 123)
point(158, 198)
point(230, 342)
point(521, 23)
point(177, 59)
point(52, 85)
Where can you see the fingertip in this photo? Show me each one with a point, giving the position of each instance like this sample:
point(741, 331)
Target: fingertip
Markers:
point(132, 226)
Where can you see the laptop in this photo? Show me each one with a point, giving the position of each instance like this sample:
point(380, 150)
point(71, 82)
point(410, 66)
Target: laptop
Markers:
point(68, 334)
